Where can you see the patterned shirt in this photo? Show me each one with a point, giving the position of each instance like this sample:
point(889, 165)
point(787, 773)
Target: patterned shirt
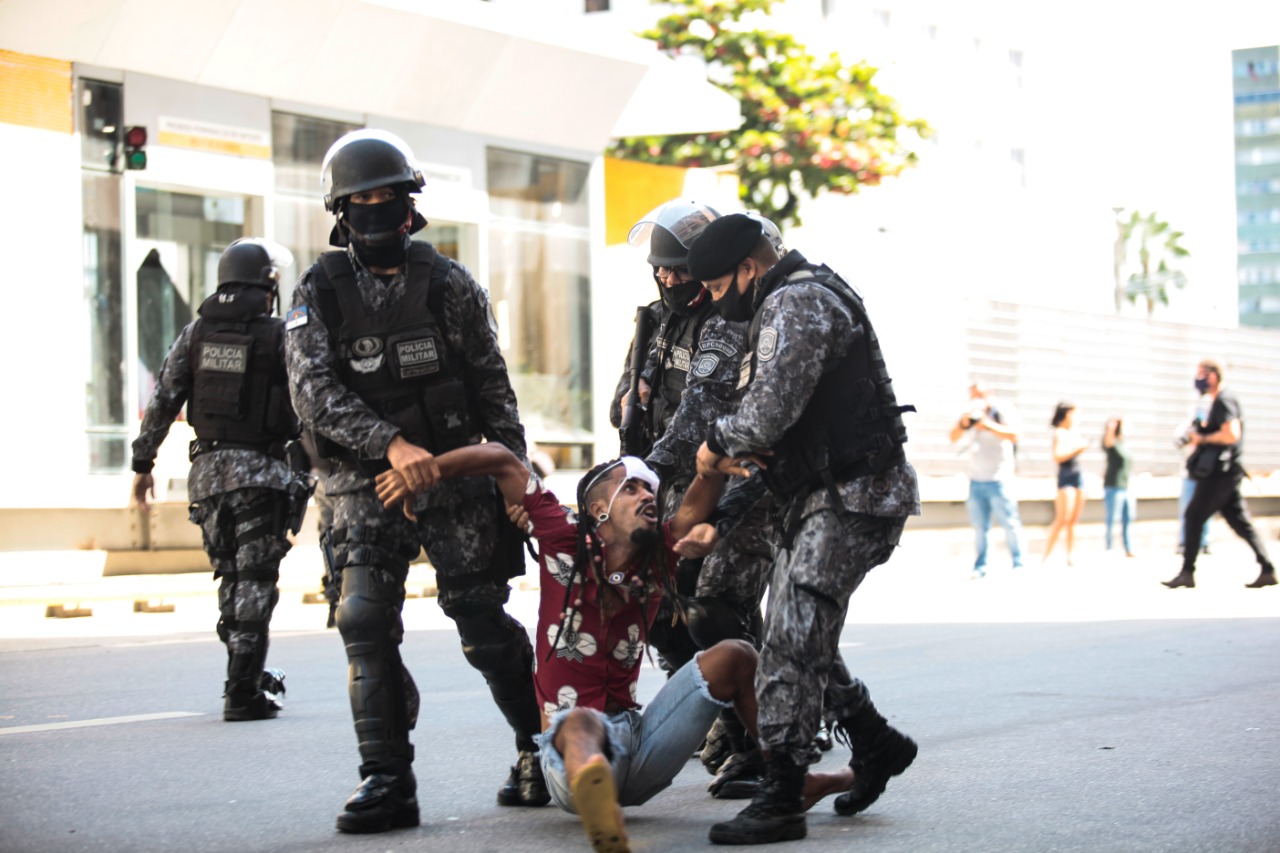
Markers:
point(596, 662)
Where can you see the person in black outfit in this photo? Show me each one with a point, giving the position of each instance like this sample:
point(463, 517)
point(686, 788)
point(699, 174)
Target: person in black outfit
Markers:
point(1216, 467)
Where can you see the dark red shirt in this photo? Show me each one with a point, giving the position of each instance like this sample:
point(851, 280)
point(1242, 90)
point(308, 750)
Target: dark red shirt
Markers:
point(596, 663)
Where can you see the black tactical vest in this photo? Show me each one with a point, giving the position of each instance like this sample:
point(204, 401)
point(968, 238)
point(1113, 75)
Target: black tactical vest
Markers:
point(676, 343)
point(240, 392)
point(396, 359)
point(852, 425)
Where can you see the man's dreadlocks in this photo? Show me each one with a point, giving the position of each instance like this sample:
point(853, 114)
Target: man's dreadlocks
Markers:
point(589, 558)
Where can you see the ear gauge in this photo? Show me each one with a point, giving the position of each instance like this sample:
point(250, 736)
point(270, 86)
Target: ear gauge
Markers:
point(602, 518)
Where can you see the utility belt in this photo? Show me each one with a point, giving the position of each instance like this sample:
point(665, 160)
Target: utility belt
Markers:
point(201, 446)
point(793, 480)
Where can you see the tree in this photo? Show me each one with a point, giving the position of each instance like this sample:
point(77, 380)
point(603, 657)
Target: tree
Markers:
point(808, 124)
point(1154, 241)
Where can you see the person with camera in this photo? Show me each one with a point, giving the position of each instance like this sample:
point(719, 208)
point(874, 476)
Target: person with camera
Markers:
point(1216, 466)
point(991, 437)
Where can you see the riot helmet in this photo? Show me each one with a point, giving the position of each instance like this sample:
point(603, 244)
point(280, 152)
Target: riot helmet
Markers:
point(667, 232)
point(770, 231)
point(365, 160)
point(253, 262)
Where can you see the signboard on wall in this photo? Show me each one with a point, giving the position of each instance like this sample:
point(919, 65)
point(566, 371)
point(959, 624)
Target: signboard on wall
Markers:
point(214, 138)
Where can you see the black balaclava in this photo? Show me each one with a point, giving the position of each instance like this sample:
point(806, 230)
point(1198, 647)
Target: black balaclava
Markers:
point(683, 298)
point(734, 306)
point(379, 232)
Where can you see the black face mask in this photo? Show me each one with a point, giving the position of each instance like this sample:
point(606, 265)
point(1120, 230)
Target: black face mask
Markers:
point(734, 306)
point(379, 232)
point(682, 298)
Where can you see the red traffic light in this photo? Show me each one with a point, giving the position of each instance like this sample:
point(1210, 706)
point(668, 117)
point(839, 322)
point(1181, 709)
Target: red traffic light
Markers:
point(135, 137)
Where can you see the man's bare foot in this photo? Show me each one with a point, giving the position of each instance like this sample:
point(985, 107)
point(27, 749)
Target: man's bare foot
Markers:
point(595, 797)
point(818, 784)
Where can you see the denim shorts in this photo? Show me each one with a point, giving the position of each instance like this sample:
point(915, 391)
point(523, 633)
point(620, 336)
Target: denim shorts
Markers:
point(650, 747)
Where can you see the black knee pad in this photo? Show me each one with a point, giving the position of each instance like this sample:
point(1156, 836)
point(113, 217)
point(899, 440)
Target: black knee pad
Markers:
point(711, 620)
point(367, 612)
point(493, 642)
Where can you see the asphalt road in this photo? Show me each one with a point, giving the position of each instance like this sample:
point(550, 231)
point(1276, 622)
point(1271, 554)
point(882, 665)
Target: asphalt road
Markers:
point(1058, 709)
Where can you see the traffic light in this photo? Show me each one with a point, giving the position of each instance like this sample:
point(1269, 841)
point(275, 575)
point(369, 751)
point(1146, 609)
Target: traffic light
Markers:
point(135, 147)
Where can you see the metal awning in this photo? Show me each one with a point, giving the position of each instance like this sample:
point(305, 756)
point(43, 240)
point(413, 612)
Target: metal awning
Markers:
point(462, 64)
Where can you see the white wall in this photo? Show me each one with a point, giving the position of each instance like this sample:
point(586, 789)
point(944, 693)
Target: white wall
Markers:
point(45, 348)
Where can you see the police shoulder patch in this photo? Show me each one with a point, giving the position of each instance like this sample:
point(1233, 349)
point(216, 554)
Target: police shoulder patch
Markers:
point(296, 317)
point(720, 346)
point(707, 363)
point(767, 345)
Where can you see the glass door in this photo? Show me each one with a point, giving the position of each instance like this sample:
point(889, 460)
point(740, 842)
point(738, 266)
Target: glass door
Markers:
point(179, 238)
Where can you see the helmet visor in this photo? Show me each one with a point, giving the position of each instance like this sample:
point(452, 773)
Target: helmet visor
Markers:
point(684, 218)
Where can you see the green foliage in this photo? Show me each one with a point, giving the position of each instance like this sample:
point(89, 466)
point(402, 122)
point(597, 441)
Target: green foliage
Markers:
point(809, 124)
point(1156, 243)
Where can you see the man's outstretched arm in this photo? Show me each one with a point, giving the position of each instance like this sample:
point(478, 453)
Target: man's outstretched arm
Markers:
point(477, 460)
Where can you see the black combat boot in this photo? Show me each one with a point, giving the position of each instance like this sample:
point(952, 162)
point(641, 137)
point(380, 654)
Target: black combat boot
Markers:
point(381, 802)
point(718, 746)
point(1267, 577)
point(879, 752)
point(525, 785)
point(775, 814)
point(251, 694)
point(738, 777)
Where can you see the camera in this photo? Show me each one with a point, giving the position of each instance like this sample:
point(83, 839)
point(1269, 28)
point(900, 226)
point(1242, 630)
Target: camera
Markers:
point(974, 415)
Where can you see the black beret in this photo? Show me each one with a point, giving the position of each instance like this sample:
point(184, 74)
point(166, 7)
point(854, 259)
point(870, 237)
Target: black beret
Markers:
point(723, 245)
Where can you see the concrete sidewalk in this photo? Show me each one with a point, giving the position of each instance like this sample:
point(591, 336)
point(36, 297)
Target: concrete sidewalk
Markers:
point(928, 580)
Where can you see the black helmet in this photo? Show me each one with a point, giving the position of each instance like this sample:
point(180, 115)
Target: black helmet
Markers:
point(670, 229)
point(254, 262)
point(365, 160)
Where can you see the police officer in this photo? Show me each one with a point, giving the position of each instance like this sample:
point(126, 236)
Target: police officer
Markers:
point(820, 424)
point(228, 366)
point(393, 357)
point(692, 358)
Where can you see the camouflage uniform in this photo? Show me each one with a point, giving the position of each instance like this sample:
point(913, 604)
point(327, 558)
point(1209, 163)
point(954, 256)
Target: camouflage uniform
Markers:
point(657, 313)
point(458, 519)
point(233, 493)
point(806, 330)
point(737, 572)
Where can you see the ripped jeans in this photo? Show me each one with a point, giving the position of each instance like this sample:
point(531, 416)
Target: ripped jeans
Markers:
point(650, 747)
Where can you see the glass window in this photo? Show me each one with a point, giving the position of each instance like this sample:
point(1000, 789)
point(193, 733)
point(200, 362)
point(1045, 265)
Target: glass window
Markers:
point(101, 114)
point(183, 236)
point(104, 300)
point(298, 146)
point(539, 272)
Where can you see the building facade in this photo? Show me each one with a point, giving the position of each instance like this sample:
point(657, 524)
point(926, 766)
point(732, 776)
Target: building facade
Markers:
point(1256, 85)
point(508, 120)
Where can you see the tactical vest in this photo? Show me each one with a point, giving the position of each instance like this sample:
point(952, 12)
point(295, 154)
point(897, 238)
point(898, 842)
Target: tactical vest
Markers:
point(852, 425)
point(240, 390)
point(676, 343)
point(396, 359)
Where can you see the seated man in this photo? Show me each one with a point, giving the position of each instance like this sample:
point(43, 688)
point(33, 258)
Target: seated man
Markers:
point(603, 576)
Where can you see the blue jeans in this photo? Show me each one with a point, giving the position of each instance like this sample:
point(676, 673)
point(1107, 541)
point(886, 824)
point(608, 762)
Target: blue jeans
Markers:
point(986, 499)
point(648, 748)
point(1189, 489)
point(1121, 506)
